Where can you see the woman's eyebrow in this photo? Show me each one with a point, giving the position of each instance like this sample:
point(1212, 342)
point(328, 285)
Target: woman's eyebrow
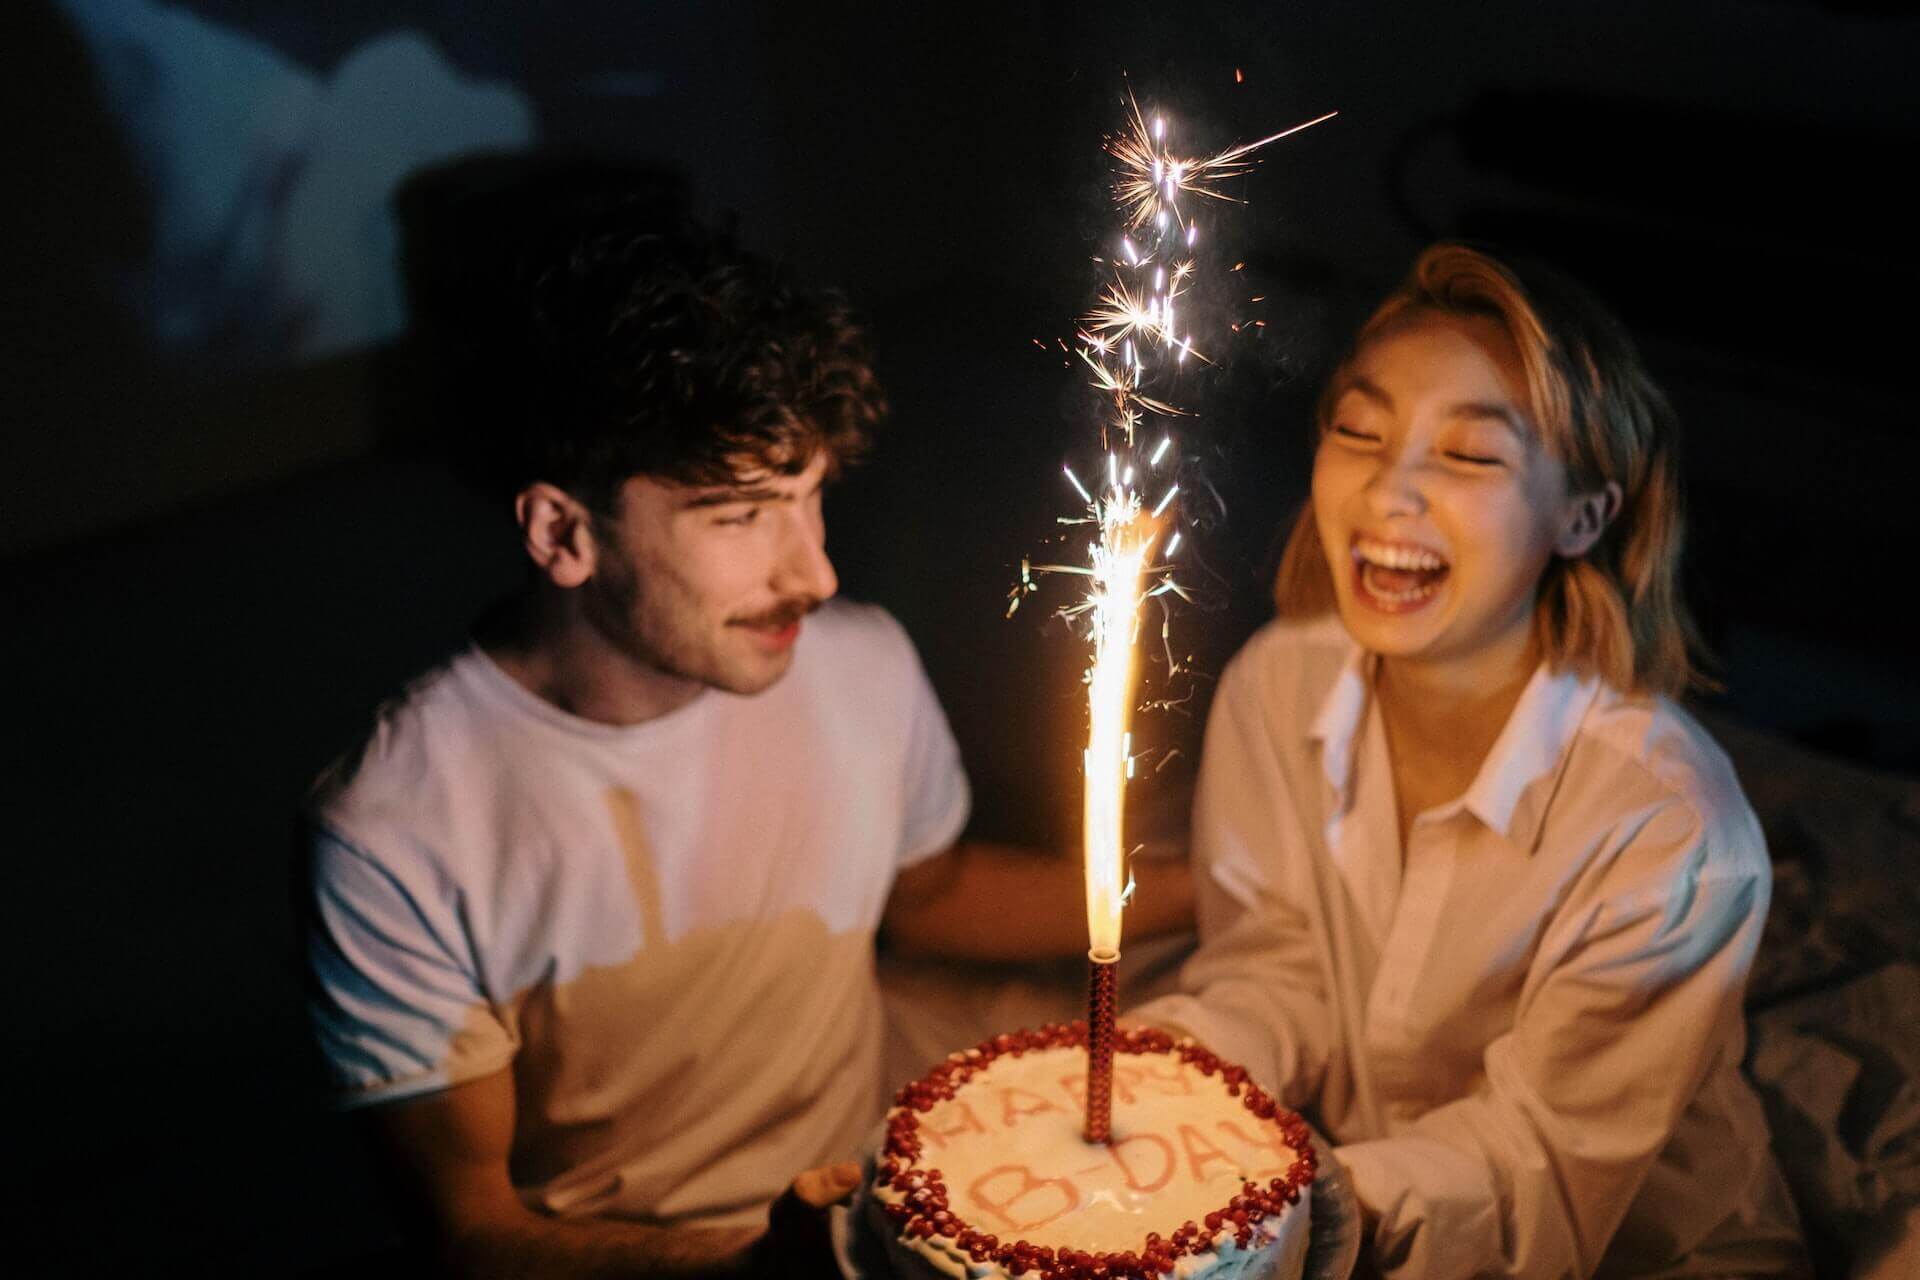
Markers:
point(1372, 391)
point(1490, 411)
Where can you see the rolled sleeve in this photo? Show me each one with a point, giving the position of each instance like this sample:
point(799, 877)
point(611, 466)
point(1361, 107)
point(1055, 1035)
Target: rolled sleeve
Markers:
point(395, 1009)
point(938, 798)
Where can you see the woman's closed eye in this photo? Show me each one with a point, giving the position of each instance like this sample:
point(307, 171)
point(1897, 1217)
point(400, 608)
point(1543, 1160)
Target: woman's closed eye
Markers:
point(1354, 435)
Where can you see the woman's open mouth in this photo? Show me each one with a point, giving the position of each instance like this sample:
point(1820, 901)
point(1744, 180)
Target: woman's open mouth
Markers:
point(1396, 577)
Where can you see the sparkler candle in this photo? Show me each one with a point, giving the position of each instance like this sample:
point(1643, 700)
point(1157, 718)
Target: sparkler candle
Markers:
point(1119, 562)
point(1130, 341)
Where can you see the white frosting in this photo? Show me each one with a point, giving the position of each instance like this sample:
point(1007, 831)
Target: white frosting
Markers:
point(1009, 1150)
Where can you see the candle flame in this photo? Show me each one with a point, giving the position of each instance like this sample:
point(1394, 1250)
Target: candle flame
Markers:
point(1120, 563)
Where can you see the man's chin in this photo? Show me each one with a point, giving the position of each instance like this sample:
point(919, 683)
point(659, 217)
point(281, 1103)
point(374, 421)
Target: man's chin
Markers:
point(750, 675)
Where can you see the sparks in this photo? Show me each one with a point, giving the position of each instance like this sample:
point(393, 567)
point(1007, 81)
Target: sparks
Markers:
point(1121, 314)
point(1124, 388)
point(1130, 344)
point(1151, 179)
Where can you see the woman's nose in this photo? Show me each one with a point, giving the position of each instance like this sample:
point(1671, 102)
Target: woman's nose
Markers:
point(1395, 487)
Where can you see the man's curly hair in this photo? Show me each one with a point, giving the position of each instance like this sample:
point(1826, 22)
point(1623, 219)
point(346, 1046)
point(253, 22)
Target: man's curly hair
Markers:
point(671, 352)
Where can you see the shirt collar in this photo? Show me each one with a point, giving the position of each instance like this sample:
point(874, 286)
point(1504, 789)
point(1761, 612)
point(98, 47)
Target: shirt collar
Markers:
point(1532, 746)
point(1342, 713)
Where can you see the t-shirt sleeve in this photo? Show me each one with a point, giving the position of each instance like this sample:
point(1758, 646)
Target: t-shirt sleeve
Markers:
point(938, 798)
point(396, 1007)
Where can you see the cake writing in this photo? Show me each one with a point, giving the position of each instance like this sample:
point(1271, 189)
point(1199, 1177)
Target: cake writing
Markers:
point(1019, 1198)
point(1130, 1083)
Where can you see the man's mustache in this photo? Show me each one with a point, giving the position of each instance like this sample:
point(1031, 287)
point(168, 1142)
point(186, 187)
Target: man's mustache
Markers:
point(783, 614)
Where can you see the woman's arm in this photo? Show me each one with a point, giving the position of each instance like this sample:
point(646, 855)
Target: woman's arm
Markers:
point(1255, 991)
point(1634, 1001)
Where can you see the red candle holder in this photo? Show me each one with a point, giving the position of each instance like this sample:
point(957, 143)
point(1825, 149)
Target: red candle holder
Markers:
point(1102, 985)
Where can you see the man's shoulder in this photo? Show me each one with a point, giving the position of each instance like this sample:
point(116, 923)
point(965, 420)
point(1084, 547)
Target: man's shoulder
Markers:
point(420, 740)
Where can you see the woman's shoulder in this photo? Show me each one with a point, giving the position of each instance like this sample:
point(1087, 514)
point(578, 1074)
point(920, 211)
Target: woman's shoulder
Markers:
point(1662, 739)
point(1318, 644)
point(1287, 667)
point(1658, 757)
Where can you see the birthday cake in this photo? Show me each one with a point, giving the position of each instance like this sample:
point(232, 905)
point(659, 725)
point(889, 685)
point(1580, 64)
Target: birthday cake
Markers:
point(984, 1171)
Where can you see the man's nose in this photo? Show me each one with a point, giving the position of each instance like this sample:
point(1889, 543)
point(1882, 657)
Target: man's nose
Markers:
point(804, 569)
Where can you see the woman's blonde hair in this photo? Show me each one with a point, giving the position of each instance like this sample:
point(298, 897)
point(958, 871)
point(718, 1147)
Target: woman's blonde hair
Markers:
point(1617, 611)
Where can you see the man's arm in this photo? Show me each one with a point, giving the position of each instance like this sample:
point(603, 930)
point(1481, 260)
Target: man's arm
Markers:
point(995, 902)
point(452, 1149)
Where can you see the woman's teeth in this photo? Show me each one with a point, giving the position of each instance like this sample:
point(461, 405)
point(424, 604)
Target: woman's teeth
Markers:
point(1389, 556)
point(1398, 574)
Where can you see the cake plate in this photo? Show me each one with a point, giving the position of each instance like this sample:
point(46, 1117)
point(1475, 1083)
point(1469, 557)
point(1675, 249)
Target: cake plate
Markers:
point(1333, 1242)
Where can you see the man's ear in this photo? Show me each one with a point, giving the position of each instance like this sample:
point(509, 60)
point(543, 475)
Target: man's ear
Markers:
point(1588, 516)
point(557, 531)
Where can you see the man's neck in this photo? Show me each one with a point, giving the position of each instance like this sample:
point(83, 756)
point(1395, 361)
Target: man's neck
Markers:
point(543, 640)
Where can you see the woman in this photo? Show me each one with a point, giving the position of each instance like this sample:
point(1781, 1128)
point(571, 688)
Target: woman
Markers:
point(1473, 887)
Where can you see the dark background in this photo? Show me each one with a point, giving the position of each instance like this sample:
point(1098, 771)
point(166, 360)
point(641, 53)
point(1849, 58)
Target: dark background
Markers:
point(228, 531)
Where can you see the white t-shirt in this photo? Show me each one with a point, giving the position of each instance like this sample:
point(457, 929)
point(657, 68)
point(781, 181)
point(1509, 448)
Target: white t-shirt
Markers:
point(663, 930)
point(1524, 1028)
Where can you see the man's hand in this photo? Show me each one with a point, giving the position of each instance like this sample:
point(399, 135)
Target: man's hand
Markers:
point(797, 1242)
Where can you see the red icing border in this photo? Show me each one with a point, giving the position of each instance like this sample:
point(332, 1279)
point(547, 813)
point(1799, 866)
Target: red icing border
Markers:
point(925, 1211)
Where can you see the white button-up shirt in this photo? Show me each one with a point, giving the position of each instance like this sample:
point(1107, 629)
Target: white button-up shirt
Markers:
point(1523, 1030)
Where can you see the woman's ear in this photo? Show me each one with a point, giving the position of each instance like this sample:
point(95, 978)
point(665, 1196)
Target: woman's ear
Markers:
point(557, 532)
point(1588, 515)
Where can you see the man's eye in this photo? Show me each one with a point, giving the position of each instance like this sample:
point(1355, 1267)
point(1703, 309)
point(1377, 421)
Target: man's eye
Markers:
point(743, 518)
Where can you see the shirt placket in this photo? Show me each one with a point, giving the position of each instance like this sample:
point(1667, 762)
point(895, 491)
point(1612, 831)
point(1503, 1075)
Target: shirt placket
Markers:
point(1408, 959)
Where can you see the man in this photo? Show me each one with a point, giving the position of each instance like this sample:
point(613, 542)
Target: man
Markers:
point(593, 909)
